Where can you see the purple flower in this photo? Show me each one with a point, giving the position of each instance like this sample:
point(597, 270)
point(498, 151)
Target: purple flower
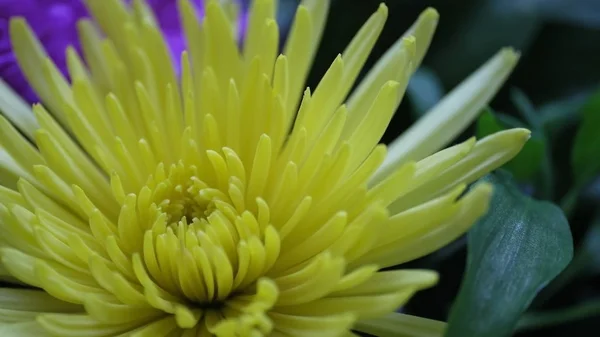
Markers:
point(55, 24)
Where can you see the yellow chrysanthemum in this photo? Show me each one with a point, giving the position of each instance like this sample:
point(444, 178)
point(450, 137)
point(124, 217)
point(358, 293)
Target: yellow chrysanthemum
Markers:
point(228, 203)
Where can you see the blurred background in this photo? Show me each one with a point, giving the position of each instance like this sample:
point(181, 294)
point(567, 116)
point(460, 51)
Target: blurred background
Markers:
point(555, 81)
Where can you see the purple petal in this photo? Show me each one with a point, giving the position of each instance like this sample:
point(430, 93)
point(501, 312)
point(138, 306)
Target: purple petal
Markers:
point(55, 23)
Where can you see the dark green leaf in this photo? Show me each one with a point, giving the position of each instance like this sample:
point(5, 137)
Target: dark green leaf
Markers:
point(563, 112)
point(585, 262)
point(536, 320)
point(488, 124)
point(588, 251)
point(513, 252)
point(482, 29)
point(526, 108)
point(525, 165)
point(585, 159)
point(528, 162)
point(509, 121)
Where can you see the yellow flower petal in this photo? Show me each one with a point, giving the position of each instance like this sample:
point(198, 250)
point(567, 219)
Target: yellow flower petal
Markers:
point(390, 66)
point(454, 113)
point(17, 110)
point(487, 154)
point(400, 325)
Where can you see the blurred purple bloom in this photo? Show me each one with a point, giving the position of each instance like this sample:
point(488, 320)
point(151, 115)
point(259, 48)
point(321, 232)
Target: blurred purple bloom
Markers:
point(55, 24)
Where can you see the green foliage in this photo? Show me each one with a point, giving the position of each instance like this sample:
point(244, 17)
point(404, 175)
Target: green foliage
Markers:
point(528, 162)
point(513, 251)
point(585, 159)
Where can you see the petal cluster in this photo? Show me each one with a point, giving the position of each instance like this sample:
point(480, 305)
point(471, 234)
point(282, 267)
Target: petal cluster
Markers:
point(229, 201)
point(55, 22)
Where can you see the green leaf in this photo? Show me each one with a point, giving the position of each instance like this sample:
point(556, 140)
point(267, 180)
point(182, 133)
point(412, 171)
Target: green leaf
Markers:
point(488, 124)
point(528, 162)
point(526, 108)
point(545, 319)
point(591, 248)
point(563, 112)
point(480, 29)
point(513, 252)
point(510, 121)
point(585, 158)
point(586, 262)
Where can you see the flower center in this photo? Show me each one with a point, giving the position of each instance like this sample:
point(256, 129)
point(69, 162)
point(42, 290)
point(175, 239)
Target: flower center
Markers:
point(199, 253)
point(187, 202)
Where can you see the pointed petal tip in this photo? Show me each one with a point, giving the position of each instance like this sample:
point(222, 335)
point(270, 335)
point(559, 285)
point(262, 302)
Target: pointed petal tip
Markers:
point(429, 278)
point(17, 25)
point(409, 40)
point(510, 55)
point(409, 43)
point(468, 145)
point(522, 134)
point(383, 9)
point(431, 14)
point(484, 189)
point(17, 20)
point(511, 140)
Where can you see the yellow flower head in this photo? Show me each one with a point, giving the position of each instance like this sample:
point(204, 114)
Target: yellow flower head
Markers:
point(228, 202)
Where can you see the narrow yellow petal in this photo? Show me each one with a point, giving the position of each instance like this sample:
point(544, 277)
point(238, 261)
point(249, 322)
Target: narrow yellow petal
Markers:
point(32, 59)
point(221, 49)
point(82, 325)
point(354, 57)
point(17, 110)
point(323, 104)
point(395, 66)
point(372, 126)
point(33, 300)
point(453, 114)
point(20, 150)
point(333, 325)
point(261, 11)
point(196, 41)
point(488, 154)
point(423, 30)
point(301, 46)
point(91, 43)
point(363, 306)
point(470, 208)
point(400, 183)
point(112, 16)
point(401, 325)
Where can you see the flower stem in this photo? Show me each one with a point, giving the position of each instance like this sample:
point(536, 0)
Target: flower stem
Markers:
point(569, 200)
point(536, 320)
